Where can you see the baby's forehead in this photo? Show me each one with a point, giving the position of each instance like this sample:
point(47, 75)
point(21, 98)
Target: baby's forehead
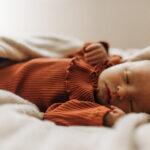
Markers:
point(140, 69)
point(137, 64)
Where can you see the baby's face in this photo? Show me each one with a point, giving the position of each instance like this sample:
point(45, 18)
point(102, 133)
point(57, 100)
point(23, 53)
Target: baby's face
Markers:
point(128, 86)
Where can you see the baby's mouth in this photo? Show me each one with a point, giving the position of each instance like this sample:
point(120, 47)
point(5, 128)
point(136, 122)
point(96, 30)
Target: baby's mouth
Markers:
point(108, 94)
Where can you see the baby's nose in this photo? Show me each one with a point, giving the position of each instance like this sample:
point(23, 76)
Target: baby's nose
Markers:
point(122, 93)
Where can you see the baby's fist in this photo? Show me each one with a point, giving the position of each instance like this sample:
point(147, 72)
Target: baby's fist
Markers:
point(113, 115)
point(95, 53)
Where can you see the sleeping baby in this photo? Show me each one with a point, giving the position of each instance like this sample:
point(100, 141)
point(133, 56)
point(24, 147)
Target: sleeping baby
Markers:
point(87, 88)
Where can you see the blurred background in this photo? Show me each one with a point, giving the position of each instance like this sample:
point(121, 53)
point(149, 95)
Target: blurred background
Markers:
point(123, 23)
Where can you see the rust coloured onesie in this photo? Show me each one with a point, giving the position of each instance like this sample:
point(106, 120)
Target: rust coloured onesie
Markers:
point(62, 88)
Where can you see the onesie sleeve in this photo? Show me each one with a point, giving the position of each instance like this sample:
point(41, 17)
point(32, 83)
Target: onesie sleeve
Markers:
point(81, 50)
point(76, 112)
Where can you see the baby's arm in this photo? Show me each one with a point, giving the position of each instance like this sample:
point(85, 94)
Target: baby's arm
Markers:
point(112, 116)
point(76, 112)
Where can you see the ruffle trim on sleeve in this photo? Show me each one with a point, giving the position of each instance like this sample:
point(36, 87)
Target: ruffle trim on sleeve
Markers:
point(97, 71)
point(79, 81)
point(68, 91)
point(116, 59)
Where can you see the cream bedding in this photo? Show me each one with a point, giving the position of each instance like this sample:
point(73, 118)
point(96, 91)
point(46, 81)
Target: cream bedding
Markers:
point(21, 124)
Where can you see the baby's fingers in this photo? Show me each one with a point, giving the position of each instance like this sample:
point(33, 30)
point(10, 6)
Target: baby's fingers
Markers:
point(93, 46)
point(94, 62)
point(93, 52)
point(95, 59)
point(98, 56)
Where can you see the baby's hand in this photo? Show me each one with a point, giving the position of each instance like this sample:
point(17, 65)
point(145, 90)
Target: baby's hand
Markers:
point(95, 53)
point(113, 115)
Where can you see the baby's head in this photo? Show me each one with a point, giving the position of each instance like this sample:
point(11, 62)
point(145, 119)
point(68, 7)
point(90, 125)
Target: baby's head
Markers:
point(126, 86)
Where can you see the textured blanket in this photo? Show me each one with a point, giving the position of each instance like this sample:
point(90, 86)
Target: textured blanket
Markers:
point(21, 124)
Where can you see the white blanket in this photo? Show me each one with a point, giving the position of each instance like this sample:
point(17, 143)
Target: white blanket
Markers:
point(21, 124)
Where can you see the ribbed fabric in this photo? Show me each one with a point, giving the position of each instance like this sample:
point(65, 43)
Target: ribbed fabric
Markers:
point(62, 88)
point(75, 112)
point(41, 80)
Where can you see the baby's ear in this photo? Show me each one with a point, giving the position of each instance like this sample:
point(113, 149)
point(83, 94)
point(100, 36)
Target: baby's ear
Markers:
point(105, 44)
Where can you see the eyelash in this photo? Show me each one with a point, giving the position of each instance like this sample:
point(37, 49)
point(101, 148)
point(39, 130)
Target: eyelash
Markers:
point(127, 78)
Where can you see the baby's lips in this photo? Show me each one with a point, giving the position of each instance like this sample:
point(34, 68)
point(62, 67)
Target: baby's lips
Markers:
point(108, 93)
